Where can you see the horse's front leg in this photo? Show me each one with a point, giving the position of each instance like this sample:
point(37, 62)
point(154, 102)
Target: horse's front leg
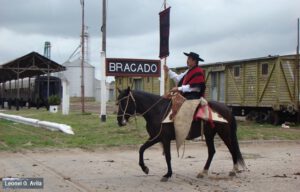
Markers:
point(209, 139)
point(167, 152)
point(145, 146)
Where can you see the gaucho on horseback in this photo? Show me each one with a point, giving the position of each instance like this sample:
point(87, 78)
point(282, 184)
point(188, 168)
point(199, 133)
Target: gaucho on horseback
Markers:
point(190, 83)
point(163, 125)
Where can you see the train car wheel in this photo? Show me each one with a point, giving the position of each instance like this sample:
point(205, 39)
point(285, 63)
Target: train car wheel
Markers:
point(251, 116)
point(262, 117)
point(275, 118)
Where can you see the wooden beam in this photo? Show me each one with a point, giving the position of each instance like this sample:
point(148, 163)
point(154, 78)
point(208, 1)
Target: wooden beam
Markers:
point(235, 86)
point(286, 83)
point(266, 85)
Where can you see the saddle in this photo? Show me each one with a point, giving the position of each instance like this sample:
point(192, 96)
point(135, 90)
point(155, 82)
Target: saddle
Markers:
point(177, 101)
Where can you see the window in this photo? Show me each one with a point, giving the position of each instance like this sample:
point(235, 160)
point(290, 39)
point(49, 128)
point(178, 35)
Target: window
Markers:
point(236, 71)
point(264, 69)
point(138, 84)
point(217, 91)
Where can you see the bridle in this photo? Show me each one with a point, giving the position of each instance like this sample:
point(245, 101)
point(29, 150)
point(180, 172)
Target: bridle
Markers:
point(130, 95)
point(127, 102)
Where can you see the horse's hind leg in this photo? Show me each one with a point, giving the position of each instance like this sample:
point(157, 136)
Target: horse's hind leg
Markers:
point(224, 133)
point(167, 151)
point(209, 139)
point(145, 146)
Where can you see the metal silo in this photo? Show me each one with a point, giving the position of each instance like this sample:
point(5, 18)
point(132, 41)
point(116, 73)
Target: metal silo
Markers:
point(72, 74)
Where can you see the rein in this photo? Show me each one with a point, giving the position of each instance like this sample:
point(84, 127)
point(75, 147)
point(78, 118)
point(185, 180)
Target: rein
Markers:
point(130, 95)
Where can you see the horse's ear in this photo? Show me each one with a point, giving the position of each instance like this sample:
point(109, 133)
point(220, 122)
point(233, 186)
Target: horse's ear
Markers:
point(119, 90)
point(132, 83)
point(127, 91)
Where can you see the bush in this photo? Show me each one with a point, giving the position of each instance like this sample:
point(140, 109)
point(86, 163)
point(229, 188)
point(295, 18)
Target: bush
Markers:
point(54, 100)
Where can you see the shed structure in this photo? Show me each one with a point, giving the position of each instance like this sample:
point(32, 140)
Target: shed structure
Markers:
point(29, 65)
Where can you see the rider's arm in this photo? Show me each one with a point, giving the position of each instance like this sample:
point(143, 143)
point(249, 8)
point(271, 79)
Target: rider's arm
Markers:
point(187, 88)
point(176, 77)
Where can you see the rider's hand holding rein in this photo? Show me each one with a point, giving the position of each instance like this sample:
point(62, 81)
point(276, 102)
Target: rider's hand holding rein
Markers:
point(175, 89)
point(166, 68)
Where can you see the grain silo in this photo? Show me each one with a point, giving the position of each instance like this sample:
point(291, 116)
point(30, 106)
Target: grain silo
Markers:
point(73, 72)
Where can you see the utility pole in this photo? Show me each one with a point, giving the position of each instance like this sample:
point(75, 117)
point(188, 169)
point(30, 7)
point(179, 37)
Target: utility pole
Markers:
point(164, 74)
point(82, 57)
point(297, 73)
point(103, 29)
point(103, 59)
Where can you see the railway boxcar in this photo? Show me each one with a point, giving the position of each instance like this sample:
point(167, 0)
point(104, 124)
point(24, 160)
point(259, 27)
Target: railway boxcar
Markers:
point(33, 91)
point(263, 89)
point(148, 84)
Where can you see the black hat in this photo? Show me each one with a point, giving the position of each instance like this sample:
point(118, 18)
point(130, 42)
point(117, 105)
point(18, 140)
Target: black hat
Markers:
point(193, 55)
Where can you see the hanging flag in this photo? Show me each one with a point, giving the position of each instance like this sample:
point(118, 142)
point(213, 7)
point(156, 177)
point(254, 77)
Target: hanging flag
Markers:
point(164, 24)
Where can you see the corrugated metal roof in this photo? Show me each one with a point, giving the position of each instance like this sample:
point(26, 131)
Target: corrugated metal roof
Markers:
point(29, 65)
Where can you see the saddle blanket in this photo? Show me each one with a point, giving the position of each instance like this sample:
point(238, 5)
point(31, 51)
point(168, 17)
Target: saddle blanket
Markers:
point(186, 114)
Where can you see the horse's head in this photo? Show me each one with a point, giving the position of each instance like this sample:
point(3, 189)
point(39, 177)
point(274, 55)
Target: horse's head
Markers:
point(126, 106)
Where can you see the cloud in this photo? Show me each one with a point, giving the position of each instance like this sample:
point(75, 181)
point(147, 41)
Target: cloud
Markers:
point(14, 45)
point(49, 17)
point(217, 29)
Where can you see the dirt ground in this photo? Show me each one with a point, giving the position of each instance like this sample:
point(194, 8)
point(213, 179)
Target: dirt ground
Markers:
point(271, 166)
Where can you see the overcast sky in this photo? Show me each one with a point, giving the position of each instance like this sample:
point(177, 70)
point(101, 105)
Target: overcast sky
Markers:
point(219, 30)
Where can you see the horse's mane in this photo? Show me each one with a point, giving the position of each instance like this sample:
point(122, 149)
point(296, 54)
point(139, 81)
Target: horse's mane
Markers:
point(147, 94)
point(150, 99)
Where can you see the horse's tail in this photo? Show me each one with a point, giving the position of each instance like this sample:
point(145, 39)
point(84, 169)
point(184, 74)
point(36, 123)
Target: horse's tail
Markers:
point(235, 144)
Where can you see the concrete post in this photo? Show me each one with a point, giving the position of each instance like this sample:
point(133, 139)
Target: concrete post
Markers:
point(162, 78)
point(103, 88)
point(65, 97)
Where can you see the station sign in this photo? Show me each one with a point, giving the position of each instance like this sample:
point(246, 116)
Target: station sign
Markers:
point(132, 67)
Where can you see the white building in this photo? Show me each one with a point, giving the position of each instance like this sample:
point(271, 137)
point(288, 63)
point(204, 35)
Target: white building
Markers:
point(73, 75)
point(92, 86)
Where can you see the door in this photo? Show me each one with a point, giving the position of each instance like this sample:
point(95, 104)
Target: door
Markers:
point(218, 86)
point(222, 87)
point(214, 86)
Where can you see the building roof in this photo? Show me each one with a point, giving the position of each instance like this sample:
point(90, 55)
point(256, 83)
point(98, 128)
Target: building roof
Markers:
point(77, 63)
point(29, 65)
point(241, 61)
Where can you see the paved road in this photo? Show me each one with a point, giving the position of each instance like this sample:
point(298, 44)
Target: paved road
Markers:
point(270, 167)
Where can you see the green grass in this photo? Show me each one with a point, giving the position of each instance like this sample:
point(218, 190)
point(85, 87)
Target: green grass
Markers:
point(255, 131)
point(91, 133)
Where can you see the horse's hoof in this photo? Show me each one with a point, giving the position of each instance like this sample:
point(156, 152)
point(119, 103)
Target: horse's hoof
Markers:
point(203, 174)
point(232, 173)
point(164, 179)
point(146, 170)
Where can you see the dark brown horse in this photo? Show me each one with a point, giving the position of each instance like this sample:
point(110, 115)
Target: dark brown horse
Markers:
point(154, 108)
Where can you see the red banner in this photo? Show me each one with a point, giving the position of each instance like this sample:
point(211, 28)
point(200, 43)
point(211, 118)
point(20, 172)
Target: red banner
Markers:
point(164, 25)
